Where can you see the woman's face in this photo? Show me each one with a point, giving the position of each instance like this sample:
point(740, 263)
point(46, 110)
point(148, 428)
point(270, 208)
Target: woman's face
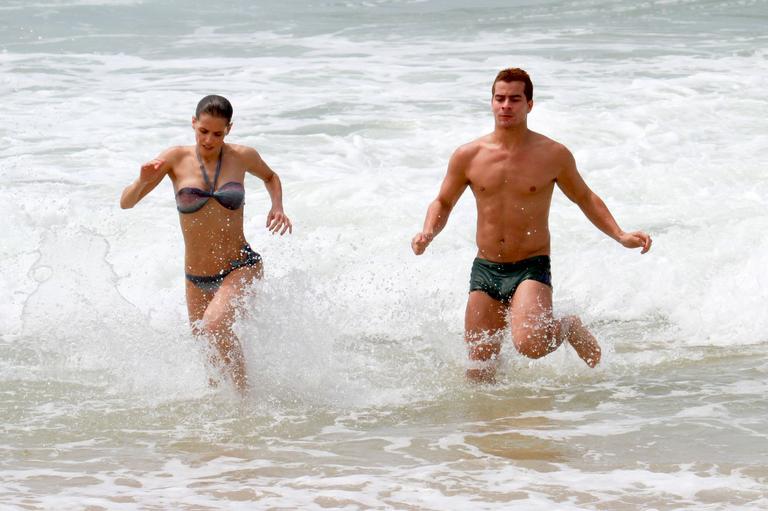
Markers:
point(209, 133)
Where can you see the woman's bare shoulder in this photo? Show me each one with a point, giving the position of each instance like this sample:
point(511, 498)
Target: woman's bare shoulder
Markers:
point(175, 154)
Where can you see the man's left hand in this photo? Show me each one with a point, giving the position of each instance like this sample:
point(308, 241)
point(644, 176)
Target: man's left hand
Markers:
point(636, 239)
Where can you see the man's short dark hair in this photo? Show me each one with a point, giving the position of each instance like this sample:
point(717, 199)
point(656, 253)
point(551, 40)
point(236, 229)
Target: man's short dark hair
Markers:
point(514, 74)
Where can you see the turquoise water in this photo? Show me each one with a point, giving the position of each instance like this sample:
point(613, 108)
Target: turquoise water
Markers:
point(355, 346)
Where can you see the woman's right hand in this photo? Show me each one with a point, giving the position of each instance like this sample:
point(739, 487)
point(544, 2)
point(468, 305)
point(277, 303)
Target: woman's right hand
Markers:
point(151, 171)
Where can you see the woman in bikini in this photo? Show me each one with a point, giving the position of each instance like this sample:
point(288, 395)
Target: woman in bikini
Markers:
point(208, 182)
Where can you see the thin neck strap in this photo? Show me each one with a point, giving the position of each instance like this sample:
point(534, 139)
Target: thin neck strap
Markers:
point(205, 172)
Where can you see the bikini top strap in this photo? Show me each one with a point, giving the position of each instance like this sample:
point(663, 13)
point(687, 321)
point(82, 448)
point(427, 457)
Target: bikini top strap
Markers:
point(218, 170)
point(205, 172)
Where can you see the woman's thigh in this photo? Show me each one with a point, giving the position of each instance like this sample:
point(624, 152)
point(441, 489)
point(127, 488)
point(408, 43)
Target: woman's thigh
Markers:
point(197, 302)
point(223, 306)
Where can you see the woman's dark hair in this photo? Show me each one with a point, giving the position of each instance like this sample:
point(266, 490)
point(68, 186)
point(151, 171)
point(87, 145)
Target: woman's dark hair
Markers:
point(215, 106)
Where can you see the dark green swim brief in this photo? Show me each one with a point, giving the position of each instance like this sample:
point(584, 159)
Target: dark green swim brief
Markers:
point(500, 280)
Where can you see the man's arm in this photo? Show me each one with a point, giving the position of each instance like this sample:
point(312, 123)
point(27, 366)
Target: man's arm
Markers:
point(277, 220)
point(150, 175)
point(453, 186)
point(573, 186)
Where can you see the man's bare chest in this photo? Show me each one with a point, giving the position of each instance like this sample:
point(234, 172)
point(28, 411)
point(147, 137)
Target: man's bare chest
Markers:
point(505, 176)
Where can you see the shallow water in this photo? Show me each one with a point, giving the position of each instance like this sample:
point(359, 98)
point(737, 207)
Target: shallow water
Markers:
point(354, 345)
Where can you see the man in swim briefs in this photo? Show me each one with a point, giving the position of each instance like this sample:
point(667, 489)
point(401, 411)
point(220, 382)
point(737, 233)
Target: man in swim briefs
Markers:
point(512, 173)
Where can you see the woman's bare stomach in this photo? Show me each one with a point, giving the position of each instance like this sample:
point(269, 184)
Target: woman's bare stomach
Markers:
point(211, 246)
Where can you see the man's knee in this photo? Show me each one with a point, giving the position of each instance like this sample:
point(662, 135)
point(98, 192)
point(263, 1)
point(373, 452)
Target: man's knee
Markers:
point(535, 343)
point(532, 348)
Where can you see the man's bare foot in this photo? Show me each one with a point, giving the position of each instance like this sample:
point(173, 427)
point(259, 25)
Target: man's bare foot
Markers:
point(481, 375)
point(583, 342)
point(483, 352)
point(482, 371)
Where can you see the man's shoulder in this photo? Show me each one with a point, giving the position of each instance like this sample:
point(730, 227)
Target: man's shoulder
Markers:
point(549, 145)
point(471, 149)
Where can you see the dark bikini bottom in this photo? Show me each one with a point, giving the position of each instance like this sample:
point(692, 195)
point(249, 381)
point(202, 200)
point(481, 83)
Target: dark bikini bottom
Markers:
point(211, 283)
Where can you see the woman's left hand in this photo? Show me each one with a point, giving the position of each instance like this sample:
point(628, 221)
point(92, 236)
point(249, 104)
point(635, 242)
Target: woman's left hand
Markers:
point(278, 222)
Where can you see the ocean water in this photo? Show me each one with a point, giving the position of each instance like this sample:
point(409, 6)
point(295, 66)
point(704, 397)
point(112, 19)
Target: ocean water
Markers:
point(354, 345)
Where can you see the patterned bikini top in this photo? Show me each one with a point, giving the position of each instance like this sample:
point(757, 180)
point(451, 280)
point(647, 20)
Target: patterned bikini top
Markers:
point(231, 195)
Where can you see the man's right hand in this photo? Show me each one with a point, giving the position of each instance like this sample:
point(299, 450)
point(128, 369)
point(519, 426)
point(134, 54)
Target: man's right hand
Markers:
point(420, 242)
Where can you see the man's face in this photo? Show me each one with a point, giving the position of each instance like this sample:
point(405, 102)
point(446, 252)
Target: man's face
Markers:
point(509, 106)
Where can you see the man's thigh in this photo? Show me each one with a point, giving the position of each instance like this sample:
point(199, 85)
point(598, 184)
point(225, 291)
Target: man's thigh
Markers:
point(484, 314)
point(484, 325)
point(530, 311)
